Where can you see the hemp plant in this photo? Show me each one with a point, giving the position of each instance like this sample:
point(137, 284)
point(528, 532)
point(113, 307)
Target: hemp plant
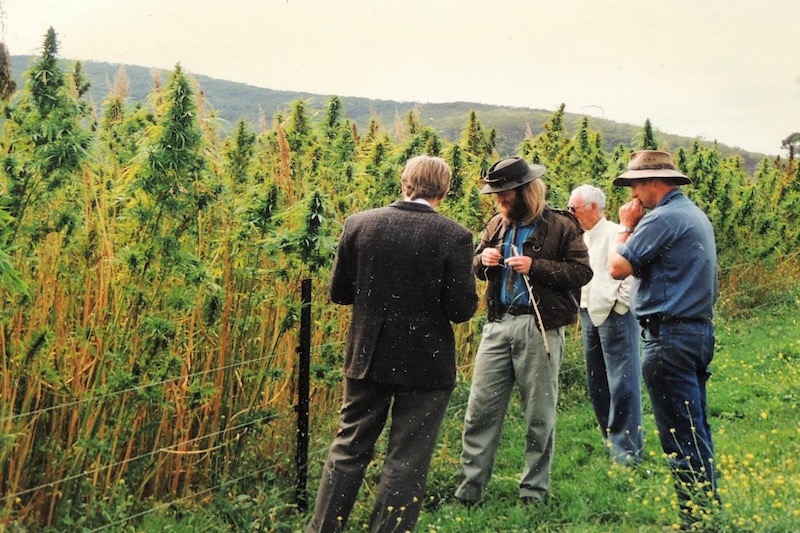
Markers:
point(45, 144)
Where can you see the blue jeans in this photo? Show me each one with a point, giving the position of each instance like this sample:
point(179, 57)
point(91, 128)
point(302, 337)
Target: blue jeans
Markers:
point(676, 369)
point(614, 373)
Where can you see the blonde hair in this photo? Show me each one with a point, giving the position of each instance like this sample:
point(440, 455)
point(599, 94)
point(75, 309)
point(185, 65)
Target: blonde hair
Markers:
point(533, 195)
point(425, 177)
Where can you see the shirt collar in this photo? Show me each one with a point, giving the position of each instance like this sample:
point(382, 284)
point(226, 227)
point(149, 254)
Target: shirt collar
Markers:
point(597, 224)
point(669, 196)
point(417, 201)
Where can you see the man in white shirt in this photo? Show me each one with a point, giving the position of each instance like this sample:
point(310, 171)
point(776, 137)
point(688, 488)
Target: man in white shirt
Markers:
point(610, 333)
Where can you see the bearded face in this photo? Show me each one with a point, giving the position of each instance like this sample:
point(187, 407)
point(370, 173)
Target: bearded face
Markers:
point(511, 206)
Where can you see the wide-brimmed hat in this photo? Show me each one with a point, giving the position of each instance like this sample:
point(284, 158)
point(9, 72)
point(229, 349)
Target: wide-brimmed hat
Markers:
point(509, 174)
point(651, 164)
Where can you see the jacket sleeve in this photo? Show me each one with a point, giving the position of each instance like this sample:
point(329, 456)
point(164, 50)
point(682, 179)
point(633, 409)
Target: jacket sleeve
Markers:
point(488, 238)
point(460, 298)
point(343, 279)
point(571, 271)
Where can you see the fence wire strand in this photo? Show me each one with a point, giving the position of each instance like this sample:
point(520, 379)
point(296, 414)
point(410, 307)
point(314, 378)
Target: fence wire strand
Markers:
point(152, 453)
point(168, 449)
point(146, 386)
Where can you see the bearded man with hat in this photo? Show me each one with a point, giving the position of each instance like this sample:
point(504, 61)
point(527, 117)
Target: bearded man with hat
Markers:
point(671, 252)
point(535, 262)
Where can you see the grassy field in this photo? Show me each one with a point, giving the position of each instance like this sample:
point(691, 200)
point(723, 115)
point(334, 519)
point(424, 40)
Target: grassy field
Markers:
point(754, 408)
point(754, 403)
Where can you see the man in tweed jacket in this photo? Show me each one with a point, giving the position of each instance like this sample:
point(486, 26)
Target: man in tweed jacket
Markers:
point(406, 270)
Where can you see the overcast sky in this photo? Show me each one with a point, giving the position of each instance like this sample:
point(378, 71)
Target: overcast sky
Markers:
point(720, 70)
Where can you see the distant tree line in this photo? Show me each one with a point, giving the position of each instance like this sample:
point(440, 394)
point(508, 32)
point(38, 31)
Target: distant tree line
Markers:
point(232, 102)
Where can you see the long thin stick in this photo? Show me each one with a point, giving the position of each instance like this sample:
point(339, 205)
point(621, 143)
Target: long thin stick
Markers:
point(535, 307)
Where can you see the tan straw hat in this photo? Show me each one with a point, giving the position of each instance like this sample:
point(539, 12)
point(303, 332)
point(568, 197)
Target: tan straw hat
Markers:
point(651, 164)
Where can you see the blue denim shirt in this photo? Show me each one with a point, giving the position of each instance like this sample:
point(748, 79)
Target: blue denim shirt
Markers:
point(518, 296)
point(674, 257)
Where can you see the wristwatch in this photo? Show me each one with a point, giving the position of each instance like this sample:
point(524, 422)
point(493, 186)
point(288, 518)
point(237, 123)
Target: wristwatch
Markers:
point(625, 229)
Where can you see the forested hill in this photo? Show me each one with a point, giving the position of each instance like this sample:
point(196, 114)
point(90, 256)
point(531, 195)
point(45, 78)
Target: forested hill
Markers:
point(233, 101)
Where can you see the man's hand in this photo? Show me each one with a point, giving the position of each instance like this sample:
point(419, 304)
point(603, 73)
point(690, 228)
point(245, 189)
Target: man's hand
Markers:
point(631, 213)
point(491, 257)
point(520, 263)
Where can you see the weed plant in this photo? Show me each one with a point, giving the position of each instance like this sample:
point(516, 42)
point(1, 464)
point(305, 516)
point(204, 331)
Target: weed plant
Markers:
point(754, 409)
point(149, 276)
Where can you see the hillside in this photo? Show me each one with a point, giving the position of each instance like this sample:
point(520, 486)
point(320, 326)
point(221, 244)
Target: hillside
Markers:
point(234, 101)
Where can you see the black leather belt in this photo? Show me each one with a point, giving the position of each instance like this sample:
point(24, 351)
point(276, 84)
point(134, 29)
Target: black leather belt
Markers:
point(652, 323)
point(516, 311)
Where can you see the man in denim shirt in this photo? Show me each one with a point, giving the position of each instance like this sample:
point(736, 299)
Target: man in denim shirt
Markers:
point(671, 251)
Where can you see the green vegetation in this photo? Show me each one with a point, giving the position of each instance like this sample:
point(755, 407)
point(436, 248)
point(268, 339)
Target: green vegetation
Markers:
point(754, 407)
point(150, 269)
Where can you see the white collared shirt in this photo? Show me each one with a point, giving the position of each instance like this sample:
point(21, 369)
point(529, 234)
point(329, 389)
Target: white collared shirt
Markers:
point(417, 201)
point(603, 293)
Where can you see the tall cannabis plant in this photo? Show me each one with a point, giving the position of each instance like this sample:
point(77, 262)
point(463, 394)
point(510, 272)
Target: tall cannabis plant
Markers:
point(45, 144)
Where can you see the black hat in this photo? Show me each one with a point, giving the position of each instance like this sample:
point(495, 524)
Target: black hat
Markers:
point(509, 174)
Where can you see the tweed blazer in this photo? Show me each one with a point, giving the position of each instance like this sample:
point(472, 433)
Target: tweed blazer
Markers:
point(407, 272)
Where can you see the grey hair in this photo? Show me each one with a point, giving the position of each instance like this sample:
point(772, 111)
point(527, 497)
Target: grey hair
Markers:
point(591, 195)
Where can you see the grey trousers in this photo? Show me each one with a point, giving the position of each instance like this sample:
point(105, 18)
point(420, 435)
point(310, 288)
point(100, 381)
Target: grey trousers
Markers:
point(511, 353)
point(416, 415)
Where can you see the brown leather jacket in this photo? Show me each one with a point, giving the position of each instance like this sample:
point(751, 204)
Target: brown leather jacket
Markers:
point(559, 269)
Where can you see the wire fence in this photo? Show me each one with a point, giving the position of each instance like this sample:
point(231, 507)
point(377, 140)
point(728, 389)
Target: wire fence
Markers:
point(137, 388)
point(218, 439)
